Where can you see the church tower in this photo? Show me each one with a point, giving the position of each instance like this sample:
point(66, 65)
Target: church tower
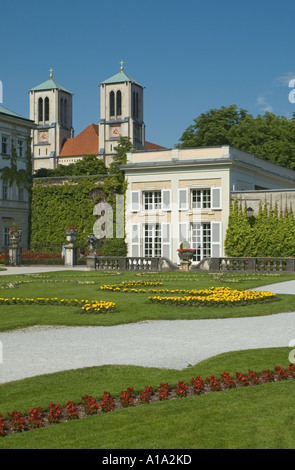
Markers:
point(121, 114)
point(51, 110)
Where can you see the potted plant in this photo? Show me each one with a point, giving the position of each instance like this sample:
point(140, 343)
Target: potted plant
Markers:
point(71, 234)
point(185, 253)
point(15, 235)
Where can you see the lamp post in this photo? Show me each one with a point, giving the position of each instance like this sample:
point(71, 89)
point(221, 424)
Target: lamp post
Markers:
point(250, 214)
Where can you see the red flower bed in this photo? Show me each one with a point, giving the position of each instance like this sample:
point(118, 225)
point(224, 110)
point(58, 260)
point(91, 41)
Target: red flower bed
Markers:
point(38, 418)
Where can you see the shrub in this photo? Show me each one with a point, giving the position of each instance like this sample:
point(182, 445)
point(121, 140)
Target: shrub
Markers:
point(227, 381)
point(55, 413)
point(127, 397)
point(115, 247)
point(107, 403)
point(71, 410)
point(35, 417)
point(181, 389)
point(3, 426)
point(213, 383)
point(18, 423)
point(146, 394)
point(197, 384)
point(90, 405)
point(164, 391)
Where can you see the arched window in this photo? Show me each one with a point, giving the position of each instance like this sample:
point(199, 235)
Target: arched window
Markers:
point(61, 111)
point(65, 112)
point(46, 111)
point(133, 104)
point(136, 106)
point(40, 109)
point(112, 103)
point(119, 103)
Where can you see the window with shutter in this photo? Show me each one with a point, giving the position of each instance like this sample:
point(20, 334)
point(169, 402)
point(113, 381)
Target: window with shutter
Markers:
point(182, 199)
point(166, 199)
point(166, 240)
point(135, 240)
point(216, 239)
point(216, 202)
point(135, 201)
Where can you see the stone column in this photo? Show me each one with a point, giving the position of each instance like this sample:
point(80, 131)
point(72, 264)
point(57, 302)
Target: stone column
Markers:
point(15, 251)
point(70, 255)
point(71, 249)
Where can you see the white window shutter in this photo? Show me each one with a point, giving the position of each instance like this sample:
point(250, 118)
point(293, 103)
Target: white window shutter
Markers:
point(135, 201)
point(166, 240)
point(216, 239)
point(183, 232)
point(166, 199)
point(183, 199)
point(135, 240)
point(216, 202)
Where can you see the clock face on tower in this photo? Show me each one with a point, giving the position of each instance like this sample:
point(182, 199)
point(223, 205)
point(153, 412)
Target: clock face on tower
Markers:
point(115, 131)
point(43, 136)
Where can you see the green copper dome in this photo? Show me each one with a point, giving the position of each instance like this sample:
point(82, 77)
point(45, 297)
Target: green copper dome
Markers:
point(50, 85)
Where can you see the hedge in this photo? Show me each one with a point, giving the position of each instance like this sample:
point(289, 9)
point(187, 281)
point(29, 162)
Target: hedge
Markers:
point(270, 233)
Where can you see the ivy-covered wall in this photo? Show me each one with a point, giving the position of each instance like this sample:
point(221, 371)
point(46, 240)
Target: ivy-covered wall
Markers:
point(270, 233)
point(58, 203)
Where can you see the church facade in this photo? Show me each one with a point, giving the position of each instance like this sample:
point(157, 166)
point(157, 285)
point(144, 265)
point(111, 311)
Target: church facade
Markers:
point(121, 114)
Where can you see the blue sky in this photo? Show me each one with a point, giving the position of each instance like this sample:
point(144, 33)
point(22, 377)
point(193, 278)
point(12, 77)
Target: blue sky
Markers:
point(190, 55)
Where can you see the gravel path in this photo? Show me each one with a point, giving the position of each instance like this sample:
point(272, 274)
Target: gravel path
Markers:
point(163, 344)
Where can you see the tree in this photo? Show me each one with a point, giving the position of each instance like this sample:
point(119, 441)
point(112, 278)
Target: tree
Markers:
point(212, 128)
point(89, 165)
point(267, 136)
point(120, 158)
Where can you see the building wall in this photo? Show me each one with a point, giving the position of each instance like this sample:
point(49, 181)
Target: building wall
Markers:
point(14, 204)
point(180, 220)
point(50, 133)
point(181, 173)
point(284, 198)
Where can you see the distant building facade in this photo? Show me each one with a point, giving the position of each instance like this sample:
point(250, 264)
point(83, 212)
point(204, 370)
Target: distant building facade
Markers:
point(14, 201)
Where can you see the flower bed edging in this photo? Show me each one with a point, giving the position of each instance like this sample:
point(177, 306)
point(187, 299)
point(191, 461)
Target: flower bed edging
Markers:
point(37, 418)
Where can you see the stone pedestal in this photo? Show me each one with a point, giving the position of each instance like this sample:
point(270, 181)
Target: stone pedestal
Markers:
point(185, 265)
point(186, 257)
point(70, 255)
point(15, 255)
point(91, 262)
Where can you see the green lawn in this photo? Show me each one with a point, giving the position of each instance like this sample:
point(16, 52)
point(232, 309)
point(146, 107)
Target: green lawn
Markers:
point(131, 307)
point(253, 417)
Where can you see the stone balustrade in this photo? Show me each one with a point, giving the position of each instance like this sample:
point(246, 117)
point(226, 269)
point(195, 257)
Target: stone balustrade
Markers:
point(122, 263)
point(250, 265)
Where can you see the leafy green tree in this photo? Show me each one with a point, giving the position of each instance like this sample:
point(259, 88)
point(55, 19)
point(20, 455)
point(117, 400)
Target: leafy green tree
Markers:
point(267, 136)
point(212, 128)
point(120, 158)
point(89, 165)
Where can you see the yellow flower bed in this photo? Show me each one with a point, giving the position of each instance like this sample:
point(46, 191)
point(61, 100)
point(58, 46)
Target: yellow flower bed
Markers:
point(130, 286)
point(215, 296)
point(85, 306)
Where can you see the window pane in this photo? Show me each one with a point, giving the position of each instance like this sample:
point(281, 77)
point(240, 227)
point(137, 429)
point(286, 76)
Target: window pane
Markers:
point(46, 109)
point(201, 199)
point(112, 103)
point(119, 103)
